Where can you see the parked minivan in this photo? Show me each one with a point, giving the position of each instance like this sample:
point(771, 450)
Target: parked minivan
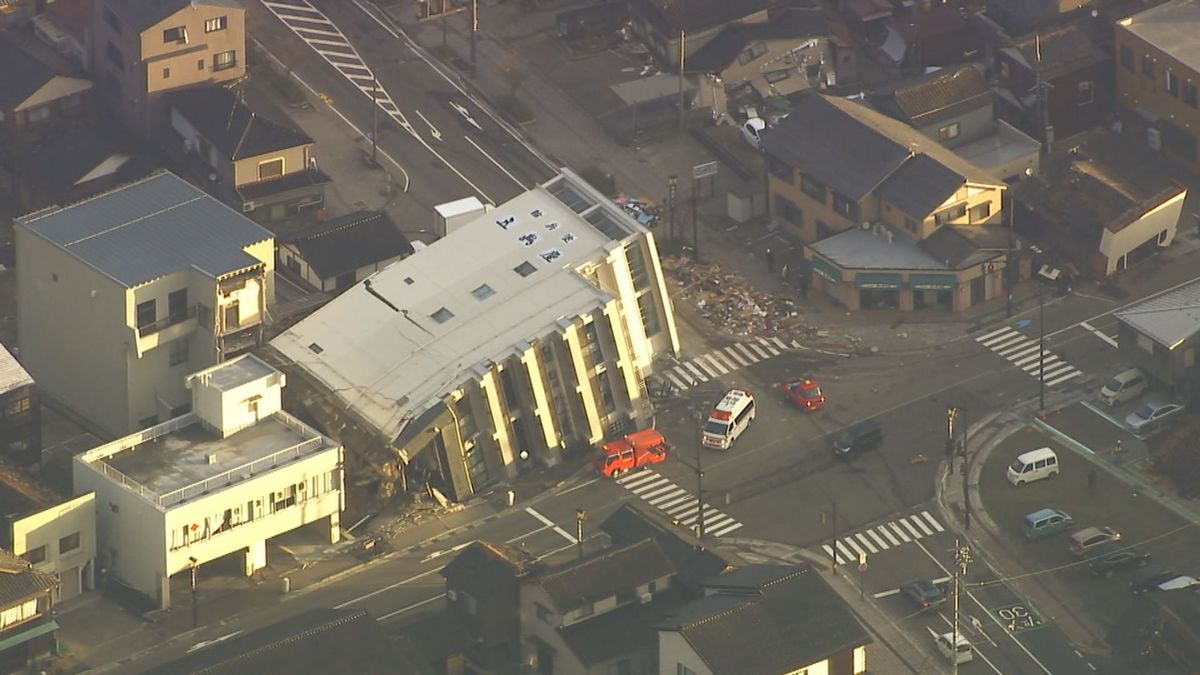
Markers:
point(729, 419)
point(1046, 522)
point(1033, 465)
point(858, 438)
point(1125, 386)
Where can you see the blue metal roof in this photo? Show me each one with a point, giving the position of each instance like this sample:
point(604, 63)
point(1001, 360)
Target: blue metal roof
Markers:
point(149, 229)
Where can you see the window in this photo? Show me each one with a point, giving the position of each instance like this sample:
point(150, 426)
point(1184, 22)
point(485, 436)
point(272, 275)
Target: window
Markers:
point(147, 314)
point(35, 555)
point(166, 73)
point(544, 613)
point(272, 168)
point(112, 21)
point(525, 269)
point(19, 406)
point(177, 305)
point(1148, 65)
point(910, 224)
point(786, 209)
point(176, 34)
point(844, 206)
point(214, 25)
point(773, 76)
point(949, 132)
point(442, 315)
point(1126, 57)
point(950, 214)
point(606, 396)
point(1170, 82)
point(752, 52)
point(199, 64)
point(179, 352)
point(649, 313)
point(1086, 93)
point(68, 543)
point(483, 292)
point(224, 60)
point(980, 212)
point(588, 609)
point(114, 56)
point(812, 187)
point(22, 612)
point(1189, 93)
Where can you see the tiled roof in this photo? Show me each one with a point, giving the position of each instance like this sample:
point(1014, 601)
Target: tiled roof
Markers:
point(790, 23)
point(21, 76)
point(768, 619)
point(151, 228)
point(623, 632)
point(19, 581)
point(635, 522)
point(71, 155)
point(142, 14)
point(233, 127)
point(484, 566)
point(351, 242)
point(12, 375)
point(942, 94)
point(317, 641)
point(920, 185)
point(1057, 52)
point(605, 574)
point(1168, 318)
point(1170, 27)
point(289, 181)
point(693, 16)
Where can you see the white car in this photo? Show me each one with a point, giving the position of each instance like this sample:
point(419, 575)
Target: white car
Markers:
point(752, 131)
point(1149, 417)
point(962, 652)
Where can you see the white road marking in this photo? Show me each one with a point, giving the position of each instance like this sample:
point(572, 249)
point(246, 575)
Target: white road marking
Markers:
point(498, 164)
point(736, 356)
point(561, 532)
point(933, 521)
point(862, 539)
point(887, 533)
point(717, 365)
point(433, 131)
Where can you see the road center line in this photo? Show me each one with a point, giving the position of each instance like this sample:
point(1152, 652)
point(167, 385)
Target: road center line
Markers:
point(563, 533)
point(498, 164)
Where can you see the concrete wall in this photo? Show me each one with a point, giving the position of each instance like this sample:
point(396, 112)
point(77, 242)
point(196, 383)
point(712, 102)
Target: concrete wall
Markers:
point(56, 296)
point(973, 125)
point(295, 160)
point(202, 147)
point(1163, 218)
point(674, 650)
point(1137, 90)
point(48, 527)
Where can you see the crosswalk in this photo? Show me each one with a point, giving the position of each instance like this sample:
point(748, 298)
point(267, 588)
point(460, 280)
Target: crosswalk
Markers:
point(1024, 353)
point(312, 26)
point(718, 362)
point(664, 495)
point(882, 537)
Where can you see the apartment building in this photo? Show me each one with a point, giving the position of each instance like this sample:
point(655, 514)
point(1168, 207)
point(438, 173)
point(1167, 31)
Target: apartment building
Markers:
point(221, 479)
point(523, 332)
point(145, 48)
point(122, 295)
point(1158, 73)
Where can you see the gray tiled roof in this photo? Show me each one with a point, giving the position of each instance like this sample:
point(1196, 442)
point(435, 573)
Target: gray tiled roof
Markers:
point(236, 129)
point(921, 185)
point(1167, 318)
point(12, 374)
point(768, 619)
point(22, 581)
point(142, 14)
point(21, 76)
point(351, 242)
point(606, 574)
point(876, 248)
point(694, 16)
point(145, 230)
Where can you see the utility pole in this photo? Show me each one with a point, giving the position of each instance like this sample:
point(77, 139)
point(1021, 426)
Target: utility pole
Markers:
point(699, 496)
point(580, 516)
point(1041, 348)
point(682, 52)
point(835, 537)
point(193, 564)
point(951, 416)
point(672, 183)
point(962, 558)
point(445, 13)
point(375, 124)
point(474, 32)
point(695, 228)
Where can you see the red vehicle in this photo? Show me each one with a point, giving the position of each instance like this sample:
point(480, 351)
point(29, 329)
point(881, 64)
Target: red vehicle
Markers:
point(639, 449)
point(804, 393)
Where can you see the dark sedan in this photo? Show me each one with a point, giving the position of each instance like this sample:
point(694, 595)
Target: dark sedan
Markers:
point(1113, 558)
point(924, 593)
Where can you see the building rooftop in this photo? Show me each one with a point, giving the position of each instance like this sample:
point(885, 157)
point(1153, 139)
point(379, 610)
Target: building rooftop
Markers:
point(22, 74)
point(21, 495)
point(1056, 52)
point(877, 247)
point(142, 14)
point(12, 374)
point(350, 242)
point(788, 23)
point(394, 345)
point(996, 150)
point(669, 17)
point(19, 581)
point(151, 228)
point(178, 458)
point(1170, 27)
point(237, 130)
point(234, 373)
point(1167, 318)
point(937, 96)
point(605, 574)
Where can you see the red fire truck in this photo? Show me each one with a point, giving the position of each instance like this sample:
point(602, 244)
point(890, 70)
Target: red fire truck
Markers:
point(639, 449)
point(804, 393)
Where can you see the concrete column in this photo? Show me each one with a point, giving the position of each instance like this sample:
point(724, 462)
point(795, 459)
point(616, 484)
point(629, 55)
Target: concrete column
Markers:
point(625, 360)
point(659, 282)
point(583, 377)
point(255, 557)
point(541, 404)
point(164, 591)
point(489, 384)
point(335, 527)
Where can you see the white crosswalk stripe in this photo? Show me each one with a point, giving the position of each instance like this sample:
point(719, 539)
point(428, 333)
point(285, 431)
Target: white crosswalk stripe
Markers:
point(1027, 354)
point(714, 364)
point(869, 541)
point(663, 494)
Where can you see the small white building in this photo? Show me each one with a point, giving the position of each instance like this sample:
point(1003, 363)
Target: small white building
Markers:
point(222, 479)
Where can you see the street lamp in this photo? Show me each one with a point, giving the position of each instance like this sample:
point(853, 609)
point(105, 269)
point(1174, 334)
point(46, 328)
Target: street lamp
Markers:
point(193, 565)
point(962, 558)
point(580, 516)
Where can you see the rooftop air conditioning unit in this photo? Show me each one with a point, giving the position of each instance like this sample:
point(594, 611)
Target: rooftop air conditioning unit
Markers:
point(247, 207)
point(645, 598)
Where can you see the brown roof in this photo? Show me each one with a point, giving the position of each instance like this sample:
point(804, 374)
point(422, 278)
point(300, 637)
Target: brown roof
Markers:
point(944, 94)
point(1057, 52)
point(484, 566)
point(19, 581)
point(591, 579)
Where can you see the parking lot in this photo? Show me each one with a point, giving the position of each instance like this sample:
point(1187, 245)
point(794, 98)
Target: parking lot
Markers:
point(1106, 501)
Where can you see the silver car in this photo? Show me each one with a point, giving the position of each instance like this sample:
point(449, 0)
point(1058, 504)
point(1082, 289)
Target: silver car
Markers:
point(1149, 417)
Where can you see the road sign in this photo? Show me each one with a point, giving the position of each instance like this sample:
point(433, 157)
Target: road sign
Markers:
point(704, 170)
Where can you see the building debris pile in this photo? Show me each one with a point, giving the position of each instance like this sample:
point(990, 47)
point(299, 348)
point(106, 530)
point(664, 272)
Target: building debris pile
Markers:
point(644, 211)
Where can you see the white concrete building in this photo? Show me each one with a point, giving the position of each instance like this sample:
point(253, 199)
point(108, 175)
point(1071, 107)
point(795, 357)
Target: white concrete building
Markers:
point(122, 295)
point(222, 479)
point(528, 330)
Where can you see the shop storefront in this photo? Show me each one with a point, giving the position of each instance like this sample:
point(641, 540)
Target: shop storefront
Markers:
point(878, 291)
point(932, 291)
point(829, 279)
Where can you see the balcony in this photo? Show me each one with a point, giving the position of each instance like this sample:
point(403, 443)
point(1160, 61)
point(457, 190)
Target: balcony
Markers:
point(166, 329)
point(234, 340)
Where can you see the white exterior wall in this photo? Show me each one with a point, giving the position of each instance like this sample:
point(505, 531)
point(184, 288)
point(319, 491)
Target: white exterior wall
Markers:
point(674, 650)
point(190, 133)
point(227, 411)
point(46, 528)
point(56, 296)
point(1164, 217)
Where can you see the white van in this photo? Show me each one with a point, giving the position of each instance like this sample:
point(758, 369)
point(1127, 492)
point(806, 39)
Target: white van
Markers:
point(729, 419)
point(1033, 465)
point(961, 652)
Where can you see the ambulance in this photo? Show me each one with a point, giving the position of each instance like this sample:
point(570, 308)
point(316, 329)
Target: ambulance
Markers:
point(729, 419)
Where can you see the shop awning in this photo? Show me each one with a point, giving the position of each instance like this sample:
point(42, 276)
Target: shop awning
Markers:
point(875, 280)
point(28, 634)
point(932, 282)
point(826, 270)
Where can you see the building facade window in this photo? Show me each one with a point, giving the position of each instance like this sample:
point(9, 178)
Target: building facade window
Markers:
point(951, 214)
point(147, 314)
point(68, 543)
point(787, 209)
point(166, 73)
point(648, 309)
point(272, 168)
point(179, 352)
point(176, 34)
point(1148, 65)
point(214, 25)
point(177, 305)
point(949, 132)
point(1189, 93)
point(980, 212)
point(845, 206)
point(1126, 57)
point(224, 60)
point(544, 613)
point(1170, 82)
point(812, 187)
point(1085, 93)
point(113, 22)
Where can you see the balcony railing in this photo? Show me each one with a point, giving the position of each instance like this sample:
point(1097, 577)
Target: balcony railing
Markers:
point(243, 472)
point(166, 322)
